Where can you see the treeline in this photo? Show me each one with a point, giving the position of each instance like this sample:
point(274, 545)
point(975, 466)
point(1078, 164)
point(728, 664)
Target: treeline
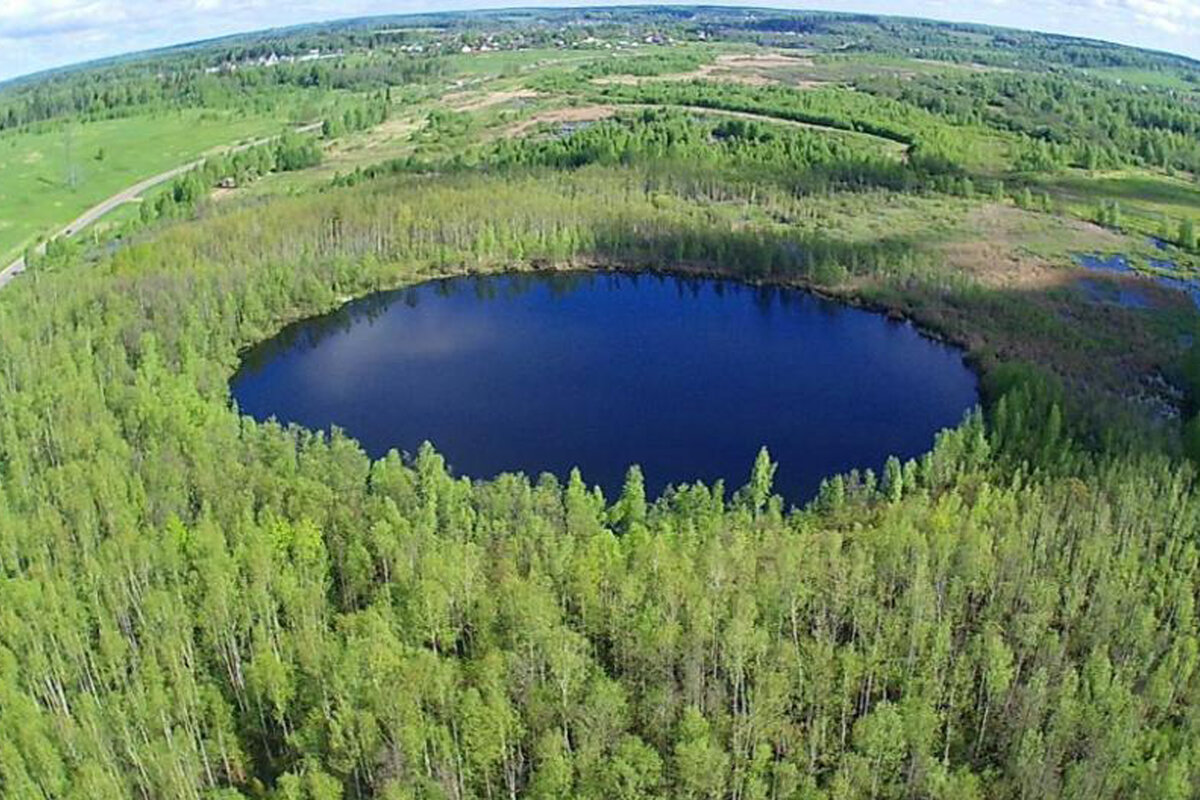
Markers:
point(371, 74)
point(926, 136)
point(551, 80)
point(98, 94)
point(194, 605)
point(645, 65)
point(686, 148)
point(156, 85)
point(577, 222)
point(1021, 121)
point(291, 151)
point(836, 110)
point(654, 136)
point(1181, 233)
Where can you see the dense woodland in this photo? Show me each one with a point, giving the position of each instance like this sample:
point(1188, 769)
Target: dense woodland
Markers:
point(127, 90)
point(1088, 125)
point(197, 605)
point(684, 147)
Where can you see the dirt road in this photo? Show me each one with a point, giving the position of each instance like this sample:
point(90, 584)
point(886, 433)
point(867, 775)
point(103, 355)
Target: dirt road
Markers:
point(133, 193)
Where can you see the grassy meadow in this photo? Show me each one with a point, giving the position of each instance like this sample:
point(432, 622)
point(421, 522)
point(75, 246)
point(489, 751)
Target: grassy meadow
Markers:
point(47, 178)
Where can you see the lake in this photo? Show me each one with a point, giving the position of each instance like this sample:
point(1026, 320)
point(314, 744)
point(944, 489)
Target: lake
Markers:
point(686, 377)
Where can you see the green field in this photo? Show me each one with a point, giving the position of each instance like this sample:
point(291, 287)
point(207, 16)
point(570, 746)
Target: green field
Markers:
point(510, 63)
point(1147, 194)
point(1144, 77)
point(49, 178)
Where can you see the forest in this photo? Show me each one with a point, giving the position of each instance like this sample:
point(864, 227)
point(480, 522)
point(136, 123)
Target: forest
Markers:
point(194, 604)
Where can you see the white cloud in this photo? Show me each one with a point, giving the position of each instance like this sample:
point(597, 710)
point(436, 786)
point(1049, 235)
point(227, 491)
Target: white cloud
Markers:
point(31, 18)
point(1172, 13)
point(37, 34)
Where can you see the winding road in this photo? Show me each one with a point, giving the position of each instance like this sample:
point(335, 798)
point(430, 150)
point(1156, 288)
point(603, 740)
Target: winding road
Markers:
point(133, 193)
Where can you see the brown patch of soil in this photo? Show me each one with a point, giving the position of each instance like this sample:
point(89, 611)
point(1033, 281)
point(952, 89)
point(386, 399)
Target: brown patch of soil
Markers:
point(472, 101)
point(747, 69)
point(763, 61)
point(1000, 250)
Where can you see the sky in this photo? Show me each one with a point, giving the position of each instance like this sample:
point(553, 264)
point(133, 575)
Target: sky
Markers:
point(40, 34)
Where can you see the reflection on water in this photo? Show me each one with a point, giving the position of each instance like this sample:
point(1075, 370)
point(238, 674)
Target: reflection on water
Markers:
point(686, 376)
point(1105, 292)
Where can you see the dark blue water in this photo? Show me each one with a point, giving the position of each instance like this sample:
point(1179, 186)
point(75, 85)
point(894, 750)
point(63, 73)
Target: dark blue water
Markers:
point(687, 378)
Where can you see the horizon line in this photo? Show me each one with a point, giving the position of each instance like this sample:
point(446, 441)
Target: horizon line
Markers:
point(149, 52)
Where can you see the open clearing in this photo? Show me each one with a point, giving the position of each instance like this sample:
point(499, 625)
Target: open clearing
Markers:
point(561, 116)
point(1009, 248)
point(49, 178)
